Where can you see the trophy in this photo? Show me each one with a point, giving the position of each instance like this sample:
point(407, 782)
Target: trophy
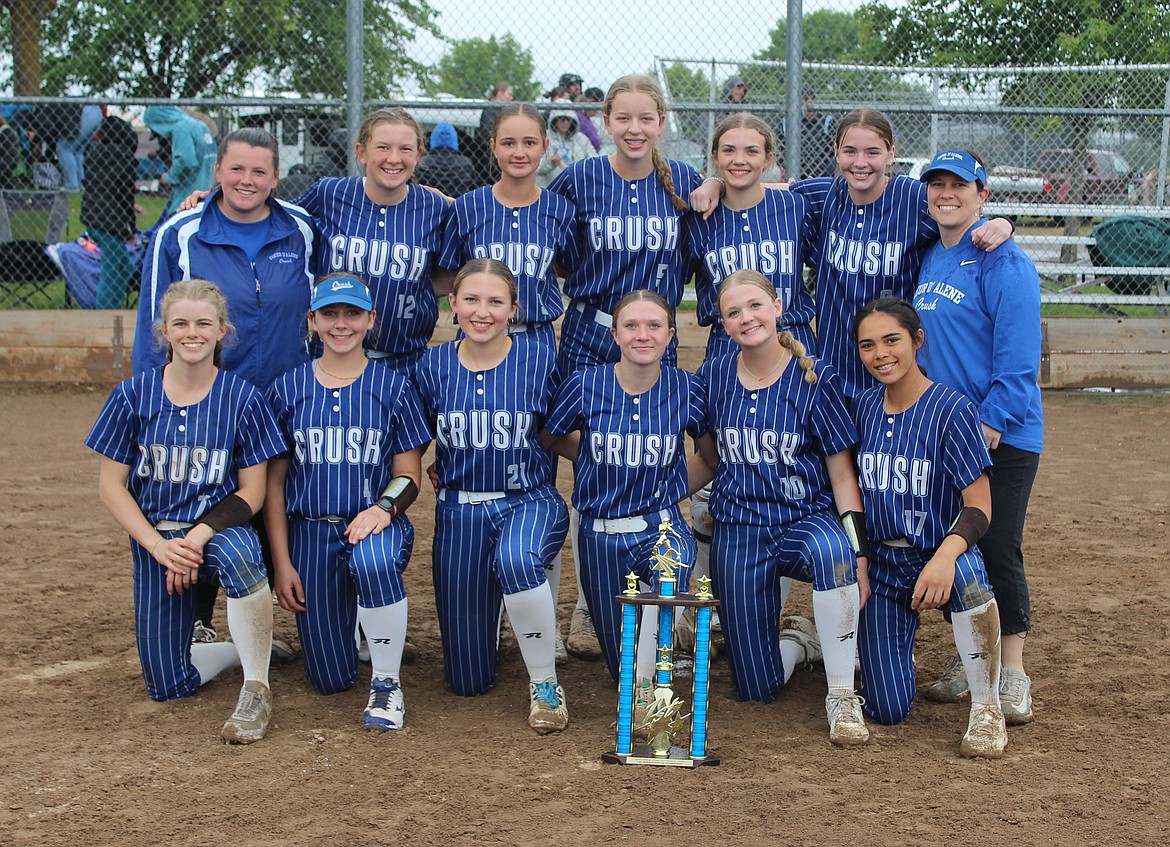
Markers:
point(661, 720)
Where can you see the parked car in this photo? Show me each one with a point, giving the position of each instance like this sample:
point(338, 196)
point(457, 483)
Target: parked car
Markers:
point(1108, 177)
point(1006, 184)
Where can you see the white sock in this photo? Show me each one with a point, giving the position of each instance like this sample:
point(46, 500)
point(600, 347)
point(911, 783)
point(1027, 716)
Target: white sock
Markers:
point(553, 574)
point(213, 659)
point(785, 590)
point(977, 639)
point(836, 612)
point(791, 654)
point(574, 527)
point(646, 665)
point(385, 629)
point(534, 622)
point(250, 622)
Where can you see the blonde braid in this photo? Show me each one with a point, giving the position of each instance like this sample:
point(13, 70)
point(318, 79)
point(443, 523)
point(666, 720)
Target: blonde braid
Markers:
point(662, 168)
point(806, 363)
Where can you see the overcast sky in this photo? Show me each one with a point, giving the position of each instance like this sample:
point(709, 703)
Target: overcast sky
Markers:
point(603, 39)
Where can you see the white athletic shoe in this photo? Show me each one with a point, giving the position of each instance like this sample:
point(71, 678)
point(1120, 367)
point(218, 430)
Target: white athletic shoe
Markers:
point(249, 722)
point(986, 734)
point(803, 632)
point(547, 710)
point(385, 710)
point(562, 655)
point(363, 651)
point(203, 634)
point(951, 687)
point(846, 723)
point(1015, 694)
point(583, 643)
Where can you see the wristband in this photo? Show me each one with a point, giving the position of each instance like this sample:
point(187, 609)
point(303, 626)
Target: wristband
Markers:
point(970, 525)
point(399, 494)
point(854, 525)
point(232, 510)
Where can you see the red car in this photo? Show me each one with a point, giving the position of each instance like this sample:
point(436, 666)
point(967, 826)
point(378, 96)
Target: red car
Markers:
point(1108, 177)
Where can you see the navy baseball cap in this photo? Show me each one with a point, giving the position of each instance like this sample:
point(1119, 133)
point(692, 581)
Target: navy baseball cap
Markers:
point(958, 162)
point(342, 289)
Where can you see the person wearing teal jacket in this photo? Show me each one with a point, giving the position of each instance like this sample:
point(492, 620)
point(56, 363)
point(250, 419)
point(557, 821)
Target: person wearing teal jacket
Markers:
point(192, 152)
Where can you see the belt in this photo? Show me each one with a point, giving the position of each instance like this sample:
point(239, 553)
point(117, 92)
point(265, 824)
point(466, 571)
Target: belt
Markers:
point(378, 354)
point(618, 526)
point(517, 328)
point(897, 542)
point(330, 519)
point(598, 316)
point(473, 498)
point(171, 526)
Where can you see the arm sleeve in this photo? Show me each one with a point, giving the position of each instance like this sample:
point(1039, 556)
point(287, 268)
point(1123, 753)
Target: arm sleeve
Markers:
point(565, 415)
point(184, 156)
point(157, 276)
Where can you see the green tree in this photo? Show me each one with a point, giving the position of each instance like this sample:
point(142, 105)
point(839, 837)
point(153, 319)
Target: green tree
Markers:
point(687, 85)
point(192, 48)
point(473, 66)
point(1042, 33)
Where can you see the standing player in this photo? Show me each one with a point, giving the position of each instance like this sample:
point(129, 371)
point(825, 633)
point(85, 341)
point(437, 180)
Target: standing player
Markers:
point(515, 222)
point(784, 485)
point(183, 461)
point(388, 233)
point(355, 434)
point(498, 518)
point(754, 228)
point(630, 464)
point(922, 466)
point(629, 222)
point(982, 313)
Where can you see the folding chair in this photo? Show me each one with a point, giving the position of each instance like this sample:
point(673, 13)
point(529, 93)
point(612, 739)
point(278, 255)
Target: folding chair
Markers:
point(29, 221)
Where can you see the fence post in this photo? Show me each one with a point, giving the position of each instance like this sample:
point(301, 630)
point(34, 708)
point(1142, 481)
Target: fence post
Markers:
point(355, 85)
point(793, 64)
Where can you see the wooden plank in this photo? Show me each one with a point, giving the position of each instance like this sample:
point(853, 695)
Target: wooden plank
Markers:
point(1108, 335)
point(1118, 352)
point(1121, 370)
point(50, 328)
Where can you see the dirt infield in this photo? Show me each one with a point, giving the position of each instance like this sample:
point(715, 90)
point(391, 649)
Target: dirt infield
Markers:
point(88, 759)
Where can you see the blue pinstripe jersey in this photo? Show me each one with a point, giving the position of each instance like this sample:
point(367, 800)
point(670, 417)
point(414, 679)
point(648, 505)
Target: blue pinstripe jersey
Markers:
point(341, 441)
point(629, 236)
point(632, 459)
point(774, 237)
point(913, 466)
point(528, 240)
point(184, 459)
point(860, 252)
point(487, 423)
point(772, 442)
point(390, 247)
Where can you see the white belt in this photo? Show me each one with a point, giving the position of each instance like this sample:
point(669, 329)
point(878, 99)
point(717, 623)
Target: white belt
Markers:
point(606, 320)
point(330, 519)
point(897, 542)
point(171, 526)
point(618, 526)
point(378, 354)
point(516, 329)
point(473, 498)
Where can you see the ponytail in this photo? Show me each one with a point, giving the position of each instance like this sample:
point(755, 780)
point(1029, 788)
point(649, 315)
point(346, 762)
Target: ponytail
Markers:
point(787, 339)
point(662, 168)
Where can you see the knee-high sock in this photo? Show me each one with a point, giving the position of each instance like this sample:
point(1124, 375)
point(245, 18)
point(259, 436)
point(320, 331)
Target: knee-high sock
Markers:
point(534, 622)
point(785, 590)
point(792, 654)
point(645, 665)
point(213, 659)
point(385, 629)
point(250, 622)
point(836, 613)
point(574, 525)
point(977, 639)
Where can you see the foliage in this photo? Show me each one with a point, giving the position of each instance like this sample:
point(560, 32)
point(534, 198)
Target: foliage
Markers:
point(686, 85)
point(192, 48)
point(473, 66)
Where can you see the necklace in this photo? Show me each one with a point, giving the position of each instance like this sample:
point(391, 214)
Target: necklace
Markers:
point(748, 371)
point(920, 389)
point(338, 376)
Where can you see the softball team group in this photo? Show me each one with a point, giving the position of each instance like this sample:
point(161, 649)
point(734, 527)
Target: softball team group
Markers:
point(891, 471)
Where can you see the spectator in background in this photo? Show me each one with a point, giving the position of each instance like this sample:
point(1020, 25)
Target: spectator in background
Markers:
point(444, 167)
point(816, 138)
point(68, 129)
point(10, 147)
point(565, 146)
point(571, 83)
point(108, 208)
point(585, 117)
point(192, 152)
point(482, 155)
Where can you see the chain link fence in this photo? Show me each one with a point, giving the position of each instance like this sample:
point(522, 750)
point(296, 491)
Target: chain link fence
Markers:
point(1069, 104)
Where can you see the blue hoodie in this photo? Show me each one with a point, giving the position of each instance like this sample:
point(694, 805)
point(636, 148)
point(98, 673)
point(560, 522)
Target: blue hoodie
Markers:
point(192, 151)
